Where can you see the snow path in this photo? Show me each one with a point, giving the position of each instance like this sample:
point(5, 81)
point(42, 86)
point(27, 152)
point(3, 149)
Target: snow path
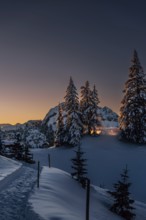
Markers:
point(14, 195)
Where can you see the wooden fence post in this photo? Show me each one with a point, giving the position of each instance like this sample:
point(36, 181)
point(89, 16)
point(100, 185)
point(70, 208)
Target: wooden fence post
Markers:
point(49, 160)
point(38, 175)
point(87, 198)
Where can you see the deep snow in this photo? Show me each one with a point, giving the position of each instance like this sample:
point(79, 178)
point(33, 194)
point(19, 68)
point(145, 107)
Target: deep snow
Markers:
point(59, 196)
point(106, 158)
point(62, 198)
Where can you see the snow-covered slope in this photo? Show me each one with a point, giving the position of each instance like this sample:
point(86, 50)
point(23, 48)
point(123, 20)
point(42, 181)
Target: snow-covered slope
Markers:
point(61, 197)
point(108, 117)
point(7, 167)
point(106, 157)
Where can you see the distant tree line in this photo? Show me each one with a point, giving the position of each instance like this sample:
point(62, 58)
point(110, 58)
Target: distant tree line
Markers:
point(18, 149)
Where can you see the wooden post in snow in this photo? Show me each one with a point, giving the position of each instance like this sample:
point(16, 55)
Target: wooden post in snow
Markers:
point(87, 198)
point(49, 160)
point(38, 175)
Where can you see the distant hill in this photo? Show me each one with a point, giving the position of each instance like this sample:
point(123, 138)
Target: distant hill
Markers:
point(30, 123)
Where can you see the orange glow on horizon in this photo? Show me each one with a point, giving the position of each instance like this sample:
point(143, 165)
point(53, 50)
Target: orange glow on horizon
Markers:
point(21, 105)
point(21, 113)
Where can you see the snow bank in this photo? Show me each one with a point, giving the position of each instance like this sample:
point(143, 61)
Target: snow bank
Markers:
point(62, 198)
point(106, 157)
point(8, 166)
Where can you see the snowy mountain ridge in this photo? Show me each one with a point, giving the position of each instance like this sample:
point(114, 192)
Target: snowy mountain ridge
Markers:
point(10, 127)
point(33, 129)
point(108, 117)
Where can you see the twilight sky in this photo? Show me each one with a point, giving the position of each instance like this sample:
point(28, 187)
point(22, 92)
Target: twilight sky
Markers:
point(44, 42)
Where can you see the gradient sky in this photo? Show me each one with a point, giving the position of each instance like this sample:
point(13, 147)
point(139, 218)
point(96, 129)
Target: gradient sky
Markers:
point(44, 42)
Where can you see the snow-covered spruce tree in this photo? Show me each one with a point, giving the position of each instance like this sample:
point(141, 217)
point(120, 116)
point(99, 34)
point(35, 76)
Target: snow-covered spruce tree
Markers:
point(79, 165)
point(50, 135)
point(59, 136)
point(94, 120)
point(122, 202)
point(73, 123)
point(132, 118)
point(85, 106)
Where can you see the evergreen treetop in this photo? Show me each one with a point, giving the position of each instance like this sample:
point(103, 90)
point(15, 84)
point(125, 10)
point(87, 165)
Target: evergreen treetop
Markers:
point(71, 98)
point(94, 120)
point(85, 105)
point(132, 118)
point(73, 123)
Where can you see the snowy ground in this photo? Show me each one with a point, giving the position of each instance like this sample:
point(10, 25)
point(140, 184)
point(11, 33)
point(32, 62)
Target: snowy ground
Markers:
point(106, 158)
point(7, 166)
point(54, 200)
point(62, 198)
point(17, 182)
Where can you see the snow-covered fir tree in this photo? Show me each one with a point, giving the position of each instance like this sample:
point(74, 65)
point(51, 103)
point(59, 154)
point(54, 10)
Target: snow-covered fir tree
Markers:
point(59, 136)
point(94, 120)
point(79, 165)
point(50, 134)
point(122, 202)
point(132, 118)
point(73, 123)
point(85, 106)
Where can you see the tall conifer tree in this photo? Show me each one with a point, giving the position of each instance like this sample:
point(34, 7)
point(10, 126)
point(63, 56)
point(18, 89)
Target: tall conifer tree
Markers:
point(50, 135)
point(132, 118)
point(94, 121)
point(59, 139)
point(85, 106)
point(73, 122)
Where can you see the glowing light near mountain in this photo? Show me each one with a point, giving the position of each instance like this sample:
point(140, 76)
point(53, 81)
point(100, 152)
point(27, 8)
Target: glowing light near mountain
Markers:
point(97, 131)
point(112, 131)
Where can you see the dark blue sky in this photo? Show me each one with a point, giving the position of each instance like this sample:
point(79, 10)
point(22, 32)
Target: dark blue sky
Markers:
point(43, 43)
